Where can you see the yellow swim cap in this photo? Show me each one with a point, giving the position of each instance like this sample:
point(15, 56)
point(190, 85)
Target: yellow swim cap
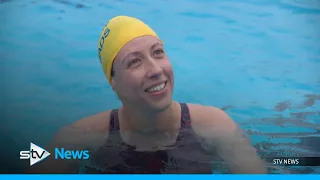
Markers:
point(117, 33)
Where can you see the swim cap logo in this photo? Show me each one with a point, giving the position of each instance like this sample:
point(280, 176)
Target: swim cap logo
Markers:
point(101, 42)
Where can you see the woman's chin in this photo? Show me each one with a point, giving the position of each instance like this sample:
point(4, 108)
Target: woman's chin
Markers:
point(160, 105)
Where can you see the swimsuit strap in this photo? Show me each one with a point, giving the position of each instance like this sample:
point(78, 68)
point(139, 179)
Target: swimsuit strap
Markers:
point(114, 120)
point(185, 118)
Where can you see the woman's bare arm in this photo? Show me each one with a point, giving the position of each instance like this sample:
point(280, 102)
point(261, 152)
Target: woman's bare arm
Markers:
point(86, 134)
point(222, 134)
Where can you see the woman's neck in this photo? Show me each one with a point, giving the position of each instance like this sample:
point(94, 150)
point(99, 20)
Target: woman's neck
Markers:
point(139, 120)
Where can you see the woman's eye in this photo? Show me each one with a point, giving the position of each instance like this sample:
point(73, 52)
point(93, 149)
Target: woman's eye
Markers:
point(133, 62)
point(158, 52)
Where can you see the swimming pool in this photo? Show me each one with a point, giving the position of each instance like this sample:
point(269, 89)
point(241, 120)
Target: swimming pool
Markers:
point(258, 60)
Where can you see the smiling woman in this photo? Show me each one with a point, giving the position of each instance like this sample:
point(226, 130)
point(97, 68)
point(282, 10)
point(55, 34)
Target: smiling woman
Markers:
point(151, 133)
point(143, 75)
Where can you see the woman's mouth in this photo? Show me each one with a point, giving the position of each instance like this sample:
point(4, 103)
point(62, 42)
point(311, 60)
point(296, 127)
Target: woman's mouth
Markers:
point(157, 89)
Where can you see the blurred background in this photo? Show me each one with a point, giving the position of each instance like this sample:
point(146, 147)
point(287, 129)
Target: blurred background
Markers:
point(259, 60)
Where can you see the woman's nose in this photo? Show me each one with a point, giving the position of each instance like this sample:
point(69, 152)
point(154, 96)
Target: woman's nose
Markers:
point(153, 70)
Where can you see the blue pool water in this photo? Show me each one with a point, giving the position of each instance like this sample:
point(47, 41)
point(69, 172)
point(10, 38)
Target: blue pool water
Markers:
point(259, 60)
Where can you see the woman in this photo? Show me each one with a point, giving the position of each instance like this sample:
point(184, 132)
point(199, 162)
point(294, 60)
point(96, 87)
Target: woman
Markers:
point(150, 133)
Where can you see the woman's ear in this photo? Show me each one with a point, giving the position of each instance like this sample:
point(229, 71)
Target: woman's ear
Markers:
point(113, 84)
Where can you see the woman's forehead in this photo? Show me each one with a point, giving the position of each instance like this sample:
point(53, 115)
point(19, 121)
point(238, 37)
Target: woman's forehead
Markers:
point(139, 44)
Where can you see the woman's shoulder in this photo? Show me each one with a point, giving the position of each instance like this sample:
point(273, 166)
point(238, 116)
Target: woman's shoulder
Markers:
point(87, 132)
point(208, 115)
point(198, 110)
point(96, 122)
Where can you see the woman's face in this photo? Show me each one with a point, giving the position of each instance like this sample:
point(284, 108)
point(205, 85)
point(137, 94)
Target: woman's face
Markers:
point(143, 74)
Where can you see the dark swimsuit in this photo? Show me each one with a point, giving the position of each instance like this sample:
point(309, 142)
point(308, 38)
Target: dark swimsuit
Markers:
point(185, 156)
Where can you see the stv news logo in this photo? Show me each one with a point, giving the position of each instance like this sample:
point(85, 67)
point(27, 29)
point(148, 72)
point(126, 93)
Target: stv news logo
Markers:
point(36, 154)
